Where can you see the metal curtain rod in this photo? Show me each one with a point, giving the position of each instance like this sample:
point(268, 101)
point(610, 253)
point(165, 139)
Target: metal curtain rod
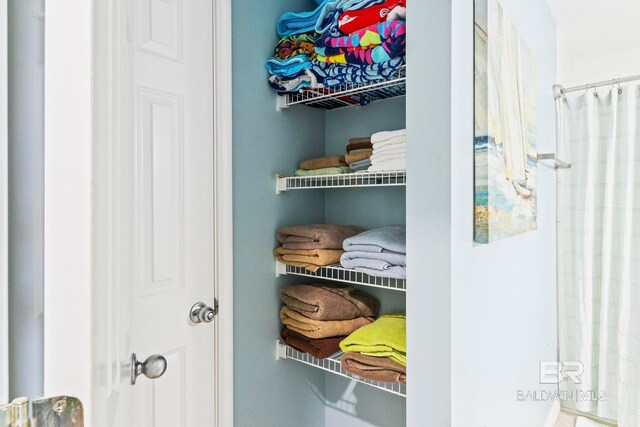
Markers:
point(559, 91)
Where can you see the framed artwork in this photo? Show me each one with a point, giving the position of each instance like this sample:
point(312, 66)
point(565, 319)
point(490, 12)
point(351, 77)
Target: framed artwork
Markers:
point(505, 91)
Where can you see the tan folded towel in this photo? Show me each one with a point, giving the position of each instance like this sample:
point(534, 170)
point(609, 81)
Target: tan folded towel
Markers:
point(323, 162)
point(311, 259)
point(316, 236)
point(374, 368)
point(323, 302)
point(355, 157)
point(320, 328)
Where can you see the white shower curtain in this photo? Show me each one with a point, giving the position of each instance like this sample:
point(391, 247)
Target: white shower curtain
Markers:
point(599, 251)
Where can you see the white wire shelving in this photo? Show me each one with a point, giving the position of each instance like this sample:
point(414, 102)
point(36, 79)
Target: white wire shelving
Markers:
point(345, 180)
point(337, 273)
point(332, 364)
point(348, 95)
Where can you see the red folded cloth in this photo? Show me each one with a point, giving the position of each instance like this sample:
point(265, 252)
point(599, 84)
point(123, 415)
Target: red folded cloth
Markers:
point(354, 20)
point(318, 348)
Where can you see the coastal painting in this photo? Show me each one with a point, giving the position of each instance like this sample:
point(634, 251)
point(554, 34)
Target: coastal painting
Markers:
point(505, 80)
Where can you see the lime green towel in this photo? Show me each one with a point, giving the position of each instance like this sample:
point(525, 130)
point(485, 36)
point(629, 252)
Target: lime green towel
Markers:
point(386, 337)
point(323, 171)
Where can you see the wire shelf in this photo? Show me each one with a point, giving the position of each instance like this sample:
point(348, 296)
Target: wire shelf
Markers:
point(332, 364)
point(339, 274)
point(348, 95)
point(345, 180)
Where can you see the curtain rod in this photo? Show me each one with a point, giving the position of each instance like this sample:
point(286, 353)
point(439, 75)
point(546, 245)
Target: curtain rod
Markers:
point(559, 91)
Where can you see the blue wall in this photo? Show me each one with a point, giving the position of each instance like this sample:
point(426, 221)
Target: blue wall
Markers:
point(267, 392)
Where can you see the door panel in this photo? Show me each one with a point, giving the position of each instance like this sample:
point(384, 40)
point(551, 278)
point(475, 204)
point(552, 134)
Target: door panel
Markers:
point(173, 209)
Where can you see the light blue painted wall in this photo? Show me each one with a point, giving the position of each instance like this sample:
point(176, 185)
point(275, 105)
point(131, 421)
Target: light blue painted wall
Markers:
point(267, 392)
point(26, 151)
point(348, 403)
point(503, 294)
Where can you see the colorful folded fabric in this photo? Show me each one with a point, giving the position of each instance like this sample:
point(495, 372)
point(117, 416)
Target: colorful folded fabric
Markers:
point(338, 74)
point(357, 155)
point(353, 20)
point(310, 259)
point(320, 328)
point(369, 37)
point(299, 44)
point(319, 348)
point(322, 302)
point(391, 239)
point(373, 45)
point(374, 368)
point(316, 236)
point(386, 337)
point(331, 11)
point(359, 143)
point(288, 67)
point(323, 171)
point(323, 162)
point(294, 83)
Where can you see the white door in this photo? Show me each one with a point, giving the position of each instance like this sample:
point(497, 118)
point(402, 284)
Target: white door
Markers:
point(157, 120)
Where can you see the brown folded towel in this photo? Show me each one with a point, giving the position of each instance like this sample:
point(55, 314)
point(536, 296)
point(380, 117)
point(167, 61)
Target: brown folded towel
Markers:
point(374, 368)
point(323, 162)
point(311, 259)
point(316, 236)
point(359, 143)
point(321, 302)
point(320, 328)
point(356, 157)
point(320, 348)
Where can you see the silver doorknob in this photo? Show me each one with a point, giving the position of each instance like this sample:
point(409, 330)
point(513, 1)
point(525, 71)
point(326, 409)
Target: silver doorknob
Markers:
point(153, 367)
point(202, 313)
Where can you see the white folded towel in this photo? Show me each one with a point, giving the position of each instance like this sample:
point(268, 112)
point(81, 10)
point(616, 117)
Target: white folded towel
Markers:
point(396, 140)
point(389, 165)
point(388, 156)
point(390, 149)
point(385, 135)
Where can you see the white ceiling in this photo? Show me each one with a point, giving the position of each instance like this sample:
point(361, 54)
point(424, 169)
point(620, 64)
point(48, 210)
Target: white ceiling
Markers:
point(597, 27)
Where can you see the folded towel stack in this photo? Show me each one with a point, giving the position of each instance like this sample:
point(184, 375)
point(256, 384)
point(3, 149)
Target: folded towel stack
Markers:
point(329, 165)
point(317, 317)
point(312, 246)
point(358, 155)
point(389, 151)
point(377, 252)
point(340, 41)
point(378, 351)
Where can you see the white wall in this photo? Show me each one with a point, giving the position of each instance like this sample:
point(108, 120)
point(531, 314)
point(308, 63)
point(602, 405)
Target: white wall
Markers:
point(596, 43)
point(26, 150)
point(503, 295)
point(4, 295)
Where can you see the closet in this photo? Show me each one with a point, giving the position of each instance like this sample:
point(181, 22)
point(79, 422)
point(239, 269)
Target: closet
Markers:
point(371, 200)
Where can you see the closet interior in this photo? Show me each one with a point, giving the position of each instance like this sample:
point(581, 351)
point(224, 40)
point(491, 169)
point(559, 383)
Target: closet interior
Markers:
point(371, 199)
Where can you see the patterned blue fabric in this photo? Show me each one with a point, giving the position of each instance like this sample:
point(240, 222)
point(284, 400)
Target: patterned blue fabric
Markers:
point(288, 67)
point(336, 74)
point(302, 22)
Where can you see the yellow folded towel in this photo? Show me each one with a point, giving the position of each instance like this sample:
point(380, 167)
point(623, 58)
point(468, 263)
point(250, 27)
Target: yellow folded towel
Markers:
point(386, 337)
point(310, 259)
point(320, 328)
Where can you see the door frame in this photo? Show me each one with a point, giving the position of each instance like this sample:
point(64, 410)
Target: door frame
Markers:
point(70, 194)
point(4, 188)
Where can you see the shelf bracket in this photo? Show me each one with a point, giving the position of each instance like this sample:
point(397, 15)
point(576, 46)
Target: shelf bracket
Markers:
point(281, 269)
point(281, 184)
point(281, 350)
point(281, 103)
point(558, 164)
